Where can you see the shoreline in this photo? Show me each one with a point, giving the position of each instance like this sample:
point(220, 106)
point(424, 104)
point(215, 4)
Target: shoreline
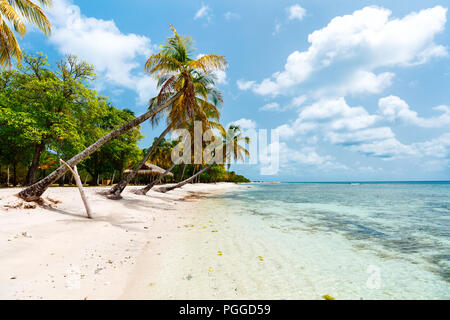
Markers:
point(55, 252)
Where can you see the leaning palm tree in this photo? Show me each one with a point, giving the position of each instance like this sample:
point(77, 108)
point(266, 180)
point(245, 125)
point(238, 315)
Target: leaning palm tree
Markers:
point(211, 124)
point(230, 147)
point(177, 72)
point(14, 12)
point(165, 99)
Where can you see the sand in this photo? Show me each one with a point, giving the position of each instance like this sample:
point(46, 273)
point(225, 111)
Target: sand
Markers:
point(140, 247)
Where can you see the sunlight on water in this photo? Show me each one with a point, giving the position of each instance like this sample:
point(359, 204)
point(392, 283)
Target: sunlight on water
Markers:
point(399, 233)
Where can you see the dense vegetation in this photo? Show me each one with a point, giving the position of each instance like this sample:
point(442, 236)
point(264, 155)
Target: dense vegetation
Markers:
point(50, 112)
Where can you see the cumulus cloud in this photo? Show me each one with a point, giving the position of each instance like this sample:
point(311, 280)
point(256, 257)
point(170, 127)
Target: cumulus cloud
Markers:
point(337, 114)
point(245, 124)
point(362, 42)
point(360, 136)
point(270, 106)
point(293, 104)
point(244, 85)
point(305, 155)
point(387, 149)
point(115, 55)
point(296, 12)
point(394, 108)
point(438, 147)
point(203, 12)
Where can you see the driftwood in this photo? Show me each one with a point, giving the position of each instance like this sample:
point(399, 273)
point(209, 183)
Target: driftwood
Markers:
point(80, 187)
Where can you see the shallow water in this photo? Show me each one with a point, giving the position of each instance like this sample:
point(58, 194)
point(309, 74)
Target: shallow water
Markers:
point(354, 241)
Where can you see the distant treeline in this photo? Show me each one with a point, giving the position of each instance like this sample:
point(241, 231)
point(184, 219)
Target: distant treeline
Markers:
point(50, 112)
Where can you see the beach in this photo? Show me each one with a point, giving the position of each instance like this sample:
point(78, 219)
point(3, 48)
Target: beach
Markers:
point(135, 248)
point(229, 241)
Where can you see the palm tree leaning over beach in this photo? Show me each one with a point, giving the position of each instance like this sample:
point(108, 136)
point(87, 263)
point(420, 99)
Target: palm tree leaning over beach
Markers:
point(230, 147)
point(176, 118)
point(210, 123)
point(159, 63)
point(177, 72)
point(14, 11)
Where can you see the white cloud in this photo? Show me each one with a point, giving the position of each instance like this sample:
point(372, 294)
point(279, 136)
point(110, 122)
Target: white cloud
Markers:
point(359, 81)
point(296, 12)
point(338, 115)
point(360, 136)
point(277, 28)
point(328, 115)
point(303, 156)
point(115, 55)
point(438, 147)
point(245, 124)
point(244, 85)
point(298, 101)
point(231, 16)
point(393, 108)
point(387, 149)
point(270, 106)
point(203, 12)
point(362, 42)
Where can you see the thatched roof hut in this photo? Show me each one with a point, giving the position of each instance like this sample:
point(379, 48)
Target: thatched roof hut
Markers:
point(150, 169)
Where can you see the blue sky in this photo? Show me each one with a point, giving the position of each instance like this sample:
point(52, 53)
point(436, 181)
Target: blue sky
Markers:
point(356, 90)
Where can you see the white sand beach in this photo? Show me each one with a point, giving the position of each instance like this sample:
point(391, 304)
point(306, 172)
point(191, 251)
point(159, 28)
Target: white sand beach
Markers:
point(140, 247)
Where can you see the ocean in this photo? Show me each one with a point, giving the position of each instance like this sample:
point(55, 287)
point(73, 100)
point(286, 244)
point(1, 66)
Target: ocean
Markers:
point(348, 240)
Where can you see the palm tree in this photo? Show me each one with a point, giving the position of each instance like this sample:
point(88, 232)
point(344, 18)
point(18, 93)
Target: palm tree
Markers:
point(165, 99)
point(210, 124)
point(231, 148)
point(177, 72)
point(14, 11)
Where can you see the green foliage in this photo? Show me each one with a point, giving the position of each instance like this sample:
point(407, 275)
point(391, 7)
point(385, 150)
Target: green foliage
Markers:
point(47, 113)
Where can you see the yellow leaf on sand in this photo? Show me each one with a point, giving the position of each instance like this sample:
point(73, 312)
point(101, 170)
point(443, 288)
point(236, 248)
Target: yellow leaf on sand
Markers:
point(215, 231)
point(219, 253)
point(328, 297)
point(211, 269)
point(261, 258)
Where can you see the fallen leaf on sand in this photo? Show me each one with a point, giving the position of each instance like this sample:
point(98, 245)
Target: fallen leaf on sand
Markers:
point(261, 258)
point(328, 297)
point(215, 231)
point(211, 269)
point(219, 253)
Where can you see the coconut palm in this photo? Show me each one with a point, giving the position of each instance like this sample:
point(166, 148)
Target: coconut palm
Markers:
point(230, 147)
point(178, 87)
point(14, 12)
point(210, 124)
point(177, 72)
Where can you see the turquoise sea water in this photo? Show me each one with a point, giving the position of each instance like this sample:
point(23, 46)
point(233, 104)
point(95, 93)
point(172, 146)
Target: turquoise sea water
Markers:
point(364, 240)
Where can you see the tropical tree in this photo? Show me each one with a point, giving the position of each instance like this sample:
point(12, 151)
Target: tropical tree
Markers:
point(13, 12)
point(178, 73)
point(231, 147)
point(47, 114)
point(164, 100)
point(211, 123)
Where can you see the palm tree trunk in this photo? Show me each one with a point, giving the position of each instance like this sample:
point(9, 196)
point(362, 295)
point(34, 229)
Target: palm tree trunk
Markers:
point(34, 192)
point(144, 191)
point(182, 183)
point(114, 192)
